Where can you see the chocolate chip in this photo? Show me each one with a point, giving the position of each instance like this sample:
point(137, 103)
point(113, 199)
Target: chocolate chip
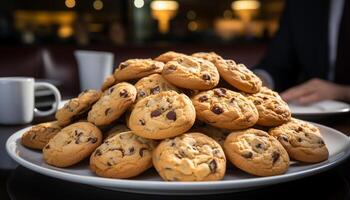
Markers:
point(107, 111)
point(203, 98)
point(131, 150)
point(259, 146)
point(123, 93)
point(283, 138)
point(256, 102)
point(98, 152)
point(265, 98)
point(123, 65)
point(232, 100)
point(275, 156)
point(156, 113)
point(300, 129)
point(217, 110)
point(178, 156)
point(213, 166)
point(111, 90)
point(171, 115)
point(247, 154)
point(155, 90)
point(299, 140)
point(321, 142)
point(206, 77)
point(109, 164)
point(47, 147)
point(33, 137)
point(172, 144)
point(221, 92)
point(170, 69)
point(142, 150)
point(142, 122)
point(92, 140)
point(142, 94)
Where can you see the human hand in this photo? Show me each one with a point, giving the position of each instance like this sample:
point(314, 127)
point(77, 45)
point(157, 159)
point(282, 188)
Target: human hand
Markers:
point(315, 90)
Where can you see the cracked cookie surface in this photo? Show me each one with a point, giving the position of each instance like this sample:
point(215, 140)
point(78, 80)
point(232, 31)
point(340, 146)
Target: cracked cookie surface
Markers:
point(39, 135)
point(191, 73)
point(239, 76)
point(123, 155)
point(302, 140)
point(113, 103)
point(224, 108)
point(137, 68)
point(77, 107)
point(72, 144)
point(256, 152)
point(163, 115)
point(190, 157)
point(152, 84)
point(168, 56)
point(273, 111)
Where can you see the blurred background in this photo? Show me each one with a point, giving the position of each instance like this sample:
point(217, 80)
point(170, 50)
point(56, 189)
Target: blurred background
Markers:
point(38, 37)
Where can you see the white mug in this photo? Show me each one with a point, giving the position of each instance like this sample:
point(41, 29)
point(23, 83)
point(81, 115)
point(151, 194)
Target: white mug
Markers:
point(94, 67)
point(17, 100)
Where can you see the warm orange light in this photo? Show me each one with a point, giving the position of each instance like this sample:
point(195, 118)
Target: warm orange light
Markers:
point(98, 5)
point(192, 26)
point(70, 3)
point(65, 31)
point(164, 11)
point(245, 5)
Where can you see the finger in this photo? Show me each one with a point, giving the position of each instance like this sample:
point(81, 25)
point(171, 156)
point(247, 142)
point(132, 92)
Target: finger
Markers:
point(311, 98)
point(296, 92)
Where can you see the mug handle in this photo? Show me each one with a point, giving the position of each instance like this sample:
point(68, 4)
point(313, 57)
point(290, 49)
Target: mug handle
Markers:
point(57, 95)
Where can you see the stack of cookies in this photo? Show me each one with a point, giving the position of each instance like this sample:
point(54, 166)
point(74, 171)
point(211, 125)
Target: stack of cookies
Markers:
point(182, 114)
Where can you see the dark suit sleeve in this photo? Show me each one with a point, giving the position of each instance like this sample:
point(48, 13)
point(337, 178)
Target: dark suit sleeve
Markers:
point(280, 60)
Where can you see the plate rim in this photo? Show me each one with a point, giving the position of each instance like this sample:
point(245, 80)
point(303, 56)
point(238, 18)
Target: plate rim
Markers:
point(173, 186)
point(341, 111)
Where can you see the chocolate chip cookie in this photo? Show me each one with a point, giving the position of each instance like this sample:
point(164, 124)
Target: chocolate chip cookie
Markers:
point(152, 84)
point(190, 157)
point(302, 140)
point(77, 107)
point(72, 144)
point(273, 111)
point(239, 76)
point(168, 56)
point(256, 152)
point(124, 155)
point(210, 56)
point(137, 68)
point(119, 128)
point(191, 73)
point(224, 108)
point(39, 135)
point(108, 82)
point(162, 115)
point(113, 103)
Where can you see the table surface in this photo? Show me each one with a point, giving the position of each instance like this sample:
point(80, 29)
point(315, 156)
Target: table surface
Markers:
point(17, 182)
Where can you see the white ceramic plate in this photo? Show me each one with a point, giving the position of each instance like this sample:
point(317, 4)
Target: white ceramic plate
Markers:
point(149, 182)
point(321, 108)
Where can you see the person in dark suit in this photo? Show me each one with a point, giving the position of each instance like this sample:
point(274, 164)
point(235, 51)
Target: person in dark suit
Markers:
point(309, 57)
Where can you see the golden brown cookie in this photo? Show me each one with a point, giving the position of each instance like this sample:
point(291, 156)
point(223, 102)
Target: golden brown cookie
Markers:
point(72, 144)
point(113, 103)
point(108, 82)
point(77, 107)
point(302, 140)
point(190, 157)
point(256, 152)
point(137, 68)
point(218, 134)
point(162, 115)
point(239, 76)
point(273, 111)
point(210, 56)
point(168, 56)
point(119, 128)
point(224, 108)
point(39, 135)
point(152, 84)
point(124, 155)
point(191, 73)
